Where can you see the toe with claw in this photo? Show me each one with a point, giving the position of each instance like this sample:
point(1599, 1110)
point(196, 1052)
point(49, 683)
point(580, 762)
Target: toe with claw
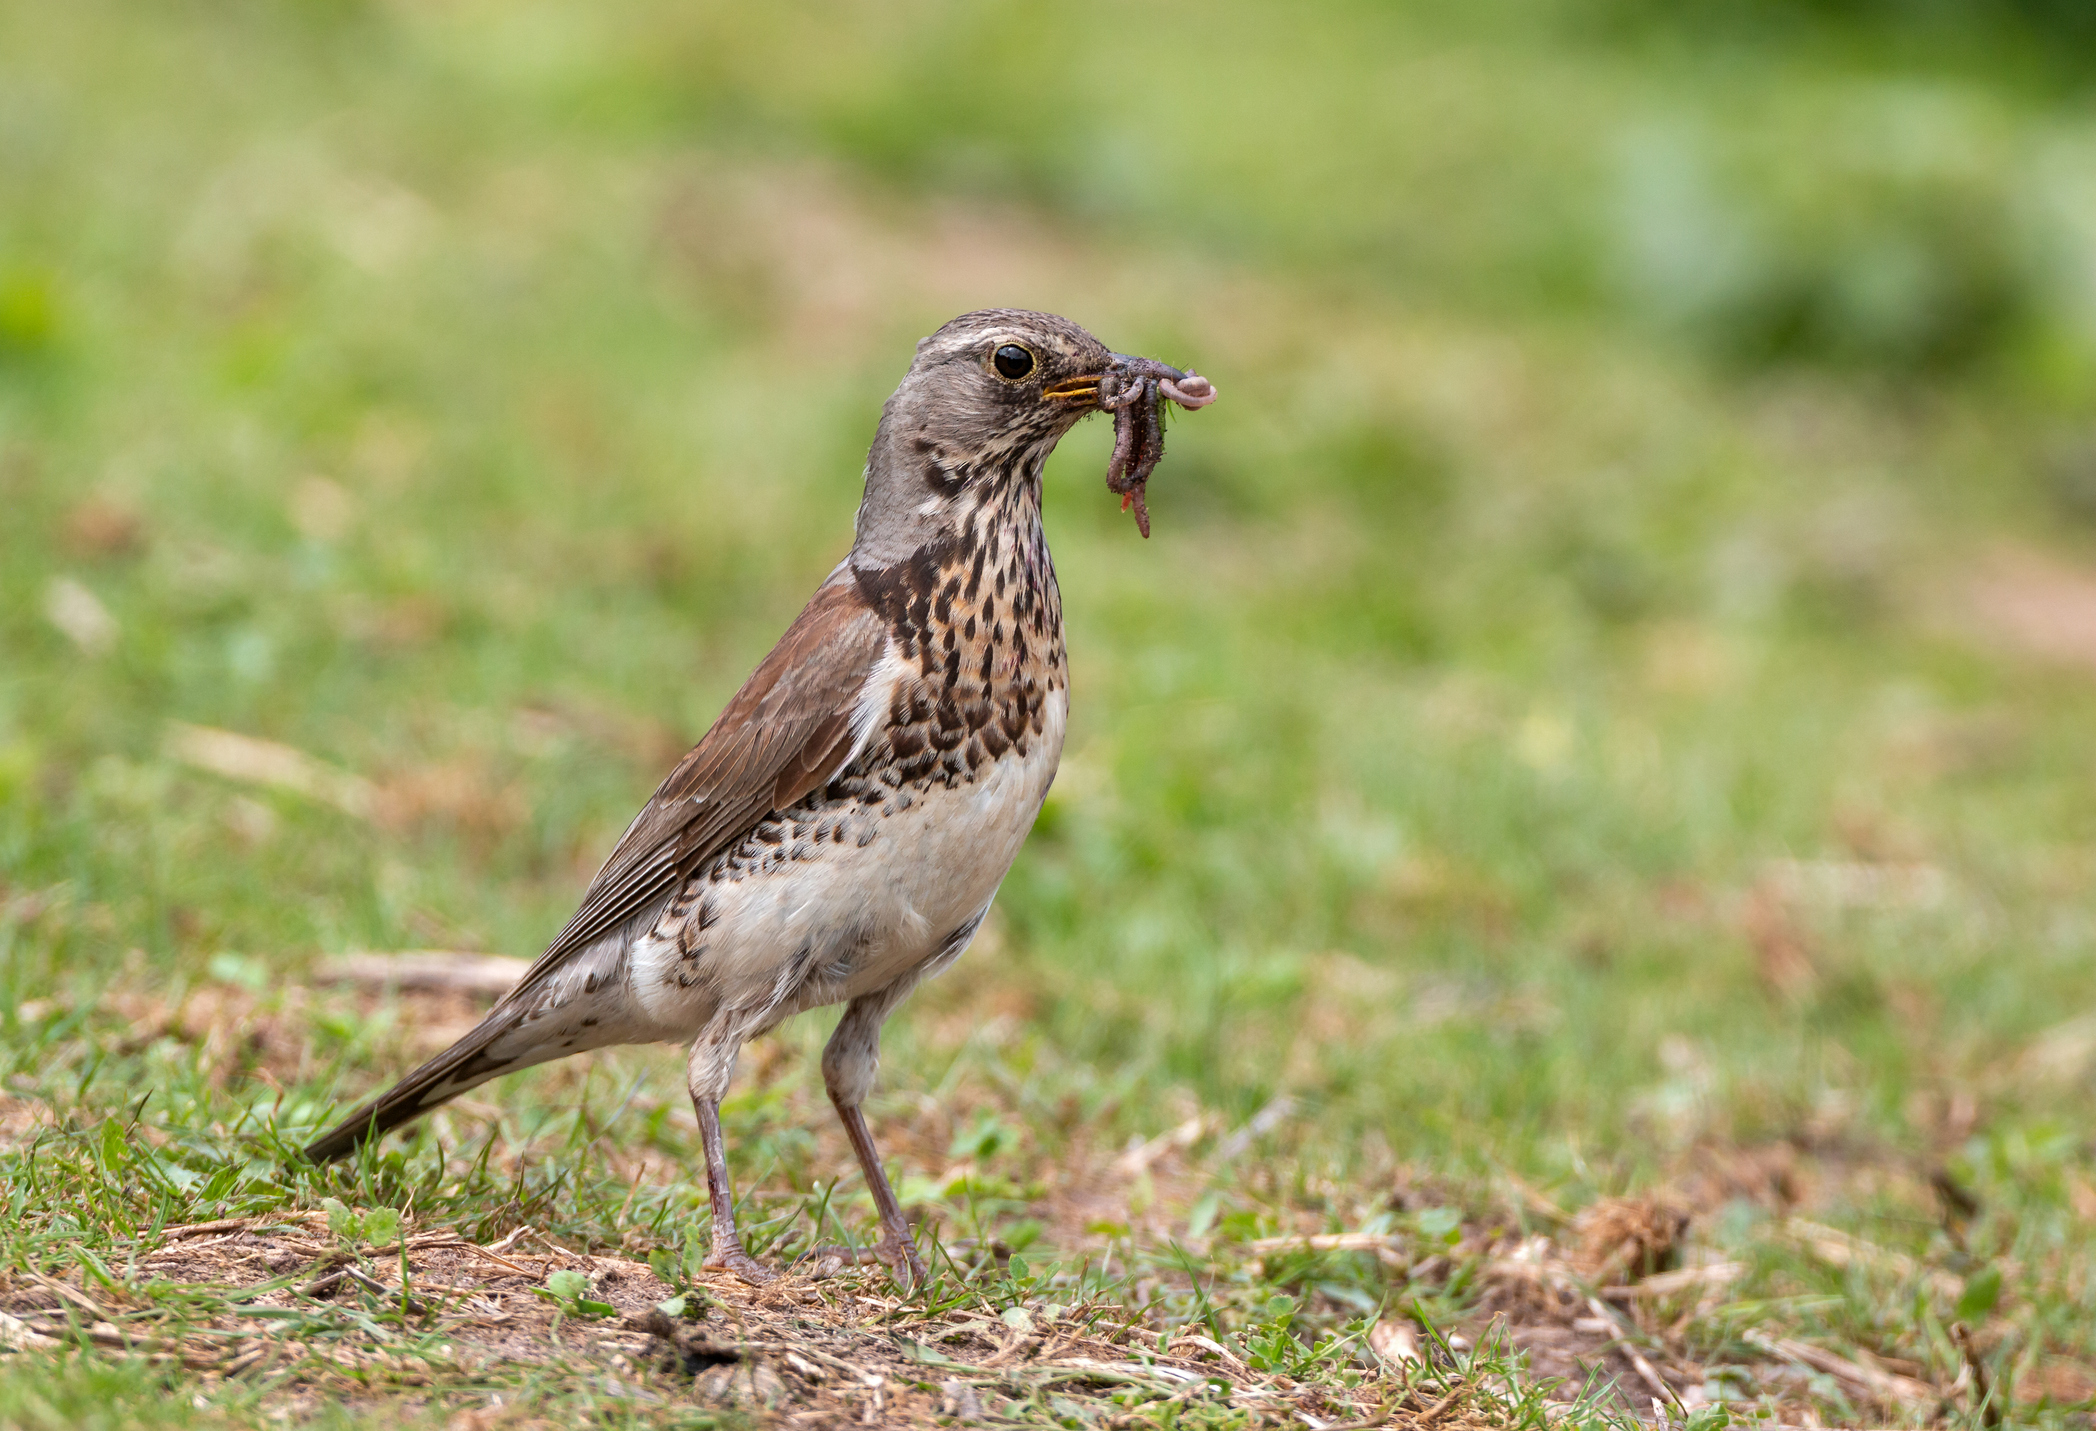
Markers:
point(744, 1266)
point(899, 1256)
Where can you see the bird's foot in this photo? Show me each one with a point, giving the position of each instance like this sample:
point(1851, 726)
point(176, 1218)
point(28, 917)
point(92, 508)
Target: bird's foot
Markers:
point(748, 1268)
point(897, 1254)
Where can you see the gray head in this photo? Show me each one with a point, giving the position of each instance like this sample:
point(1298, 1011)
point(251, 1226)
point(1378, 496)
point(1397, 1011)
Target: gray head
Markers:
point(984, 403)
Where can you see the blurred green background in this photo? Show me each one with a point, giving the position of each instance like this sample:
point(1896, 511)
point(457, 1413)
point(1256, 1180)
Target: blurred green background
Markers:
point(1613, 674)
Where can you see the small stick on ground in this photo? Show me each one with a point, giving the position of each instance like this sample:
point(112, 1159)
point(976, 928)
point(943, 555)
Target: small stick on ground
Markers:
point(1886, 1386)
point(1983, 1399)
point(1645, 1368)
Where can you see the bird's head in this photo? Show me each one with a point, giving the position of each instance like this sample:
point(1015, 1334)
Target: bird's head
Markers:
point(984, 403)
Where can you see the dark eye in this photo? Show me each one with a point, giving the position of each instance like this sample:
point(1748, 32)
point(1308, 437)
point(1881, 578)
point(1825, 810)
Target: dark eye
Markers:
point(1013, 361)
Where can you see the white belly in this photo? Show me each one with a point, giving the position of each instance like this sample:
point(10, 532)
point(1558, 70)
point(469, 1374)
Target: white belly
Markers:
point(859, 917)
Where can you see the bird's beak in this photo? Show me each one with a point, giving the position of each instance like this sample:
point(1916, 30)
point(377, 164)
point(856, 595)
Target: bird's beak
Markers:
point(1084, 388)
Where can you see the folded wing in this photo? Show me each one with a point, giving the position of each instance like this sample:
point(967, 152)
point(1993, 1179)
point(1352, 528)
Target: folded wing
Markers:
point(787, 732)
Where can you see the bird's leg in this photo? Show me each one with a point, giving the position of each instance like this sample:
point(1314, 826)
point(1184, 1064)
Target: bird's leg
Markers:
point(726, 1254)
point(848, 1065)
point(711, 1061)
point(896, 1250)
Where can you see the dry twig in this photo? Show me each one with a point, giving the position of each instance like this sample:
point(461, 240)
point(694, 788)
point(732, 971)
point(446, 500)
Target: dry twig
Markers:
point(1884, 1386)
point(1840, 1249)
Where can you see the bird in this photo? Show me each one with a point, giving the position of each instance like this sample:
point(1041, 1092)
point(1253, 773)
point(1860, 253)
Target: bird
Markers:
point(840, 831)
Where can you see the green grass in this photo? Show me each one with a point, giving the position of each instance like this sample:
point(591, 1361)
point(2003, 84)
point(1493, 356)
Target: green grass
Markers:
point(1564, 734)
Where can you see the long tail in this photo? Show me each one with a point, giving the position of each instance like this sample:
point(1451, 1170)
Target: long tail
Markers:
point(479, 1056)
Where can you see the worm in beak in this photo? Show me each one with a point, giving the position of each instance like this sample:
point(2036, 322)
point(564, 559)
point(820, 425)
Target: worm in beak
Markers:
point(1135, 390)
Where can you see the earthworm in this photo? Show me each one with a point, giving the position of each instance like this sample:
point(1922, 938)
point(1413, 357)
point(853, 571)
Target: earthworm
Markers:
point(1135, 391)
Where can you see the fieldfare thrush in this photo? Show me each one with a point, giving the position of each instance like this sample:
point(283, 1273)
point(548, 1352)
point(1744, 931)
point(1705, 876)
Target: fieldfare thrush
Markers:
point(838, 835)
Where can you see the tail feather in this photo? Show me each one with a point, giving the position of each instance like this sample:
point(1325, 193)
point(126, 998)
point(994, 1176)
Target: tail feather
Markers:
point(580, 1003)
point(467, 1064)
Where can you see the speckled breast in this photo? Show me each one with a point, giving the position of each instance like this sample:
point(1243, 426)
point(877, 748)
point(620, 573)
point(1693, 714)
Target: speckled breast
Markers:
point(897, 857)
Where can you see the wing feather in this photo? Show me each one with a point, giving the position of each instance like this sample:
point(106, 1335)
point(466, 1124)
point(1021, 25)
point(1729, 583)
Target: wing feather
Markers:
point(787, 732)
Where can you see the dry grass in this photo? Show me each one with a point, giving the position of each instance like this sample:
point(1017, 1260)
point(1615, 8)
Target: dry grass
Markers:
point(1490, 1307)
point(282, 1300)
point(822, 1351)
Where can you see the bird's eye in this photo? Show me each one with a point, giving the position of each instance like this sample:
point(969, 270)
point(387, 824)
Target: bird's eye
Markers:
point(1012, 361)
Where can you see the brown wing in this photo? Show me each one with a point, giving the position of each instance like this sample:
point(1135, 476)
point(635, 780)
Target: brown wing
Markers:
point(786, 732)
